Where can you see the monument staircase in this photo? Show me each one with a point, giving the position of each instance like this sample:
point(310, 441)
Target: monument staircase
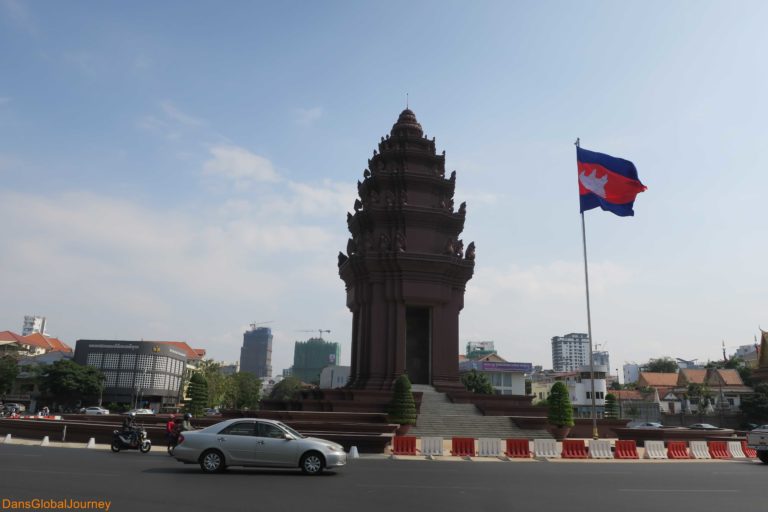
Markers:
point(440, 417)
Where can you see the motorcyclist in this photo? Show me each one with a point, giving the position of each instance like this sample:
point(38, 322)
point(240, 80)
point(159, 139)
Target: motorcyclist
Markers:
point(186, 424)
point(129, 427)
point(171, 430)
point(170, 427)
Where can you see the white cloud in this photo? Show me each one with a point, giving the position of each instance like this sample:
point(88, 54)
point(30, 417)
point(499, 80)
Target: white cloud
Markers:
point(325, 199)
point(239, 165)
point(19, 14)
point(153, 273)
point(157, 126)
point(174, 113)
point(171, 122)
point(558, 279)
point(308, 116)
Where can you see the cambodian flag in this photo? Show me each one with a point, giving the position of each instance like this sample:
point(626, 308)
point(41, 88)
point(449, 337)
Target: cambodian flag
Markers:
point(608, 182)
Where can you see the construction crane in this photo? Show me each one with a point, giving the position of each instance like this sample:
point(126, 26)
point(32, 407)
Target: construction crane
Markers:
point(254, 324)
point(321, 331)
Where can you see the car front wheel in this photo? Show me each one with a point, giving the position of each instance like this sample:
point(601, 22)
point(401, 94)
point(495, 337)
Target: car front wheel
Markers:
point(212, 461)
point(312, 463)
point(763, 456)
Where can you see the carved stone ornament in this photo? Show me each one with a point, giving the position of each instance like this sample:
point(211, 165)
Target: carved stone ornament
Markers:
point(399, 242)
point(470, 251)
point(384, 242)
point(449, 247)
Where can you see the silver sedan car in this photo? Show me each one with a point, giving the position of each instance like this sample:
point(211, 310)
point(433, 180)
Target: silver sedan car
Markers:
point(257, 443)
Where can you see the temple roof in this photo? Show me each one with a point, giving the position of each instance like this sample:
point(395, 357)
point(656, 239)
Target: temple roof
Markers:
point(407, 124)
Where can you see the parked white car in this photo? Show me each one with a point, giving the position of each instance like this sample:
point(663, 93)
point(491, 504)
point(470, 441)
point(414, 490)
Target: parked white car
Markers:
point(140, 412)
point(94, 410)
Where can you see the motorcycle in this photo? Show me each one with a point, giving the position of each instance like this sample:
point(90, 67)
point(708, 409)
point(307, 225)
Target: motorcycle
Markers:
point(135, 439)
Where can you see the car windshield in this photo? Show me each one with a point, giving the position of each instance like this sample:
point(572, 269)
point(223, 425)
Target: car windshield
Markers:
point(290, 431)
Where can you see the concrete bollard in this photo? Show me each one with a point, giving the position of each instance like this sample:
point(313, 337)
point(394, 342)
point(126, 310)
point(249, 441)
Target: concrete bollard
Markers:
point(353, 453)
point(45, 442)
point(91, 443)
point(7, 438)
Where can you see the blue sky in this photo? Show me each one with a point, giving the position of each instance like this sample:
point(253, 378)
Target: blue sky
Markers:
point(177, 170)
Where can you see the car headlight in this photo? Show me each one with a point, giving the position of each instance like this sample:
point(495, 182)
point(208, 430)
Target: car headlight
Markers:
point(334, 447)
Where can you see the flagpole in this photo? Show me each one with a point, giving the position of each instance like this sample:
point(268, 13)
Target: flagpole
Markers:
point(589, 324)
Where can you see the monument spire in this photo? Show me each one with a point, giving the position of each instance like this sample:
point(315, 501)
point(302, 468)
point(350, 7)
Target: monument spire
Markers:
point(406, 269)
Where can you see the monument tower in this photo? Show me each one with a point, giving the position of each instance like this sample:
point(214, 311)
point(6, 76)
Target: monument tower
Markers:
point(405, 267)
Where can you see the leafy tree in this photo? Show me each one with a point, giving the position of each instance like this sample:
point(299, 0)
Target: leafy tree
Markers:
point(9, 370)
point(198, 394)
point(615, 385)
point(734, 363)
point(755, 407)
point(217, 383)
point(402, 409)
point(560, 412)
point(477, 382)
point(242, 391)
point(611, 406)
point(661, 365)
point(745, 372)
point(68, 382)
point(286, 389)
point(699, 394)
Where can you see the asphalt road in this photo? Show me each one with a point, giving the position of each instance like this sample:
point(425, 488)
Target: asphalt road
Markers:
point(132, 481)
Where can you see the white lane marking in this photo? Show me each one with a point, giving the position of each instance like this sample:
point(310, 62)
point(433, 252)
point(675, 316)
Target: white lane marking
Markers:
point(21, 470)
point(679, 490)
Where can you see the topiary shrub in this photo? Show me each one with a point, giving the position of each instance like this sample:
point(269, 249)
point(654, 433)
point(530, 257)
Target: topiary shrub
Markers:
point(611, 407)
point(560, 412)
point(402, 409)
point(198, 394)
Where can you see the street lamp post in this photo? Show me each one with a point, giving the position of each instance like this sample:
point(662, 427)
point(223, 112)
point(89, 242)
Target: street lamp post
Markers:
point(101, 391)
point(141, 388)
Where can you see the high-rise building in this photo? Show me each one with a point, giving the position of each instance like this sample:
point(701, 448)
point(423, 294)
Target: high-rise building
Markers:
point(600, 358)
point(570, 352)
point(311, 356)
point(256, 352)
point(33, 324)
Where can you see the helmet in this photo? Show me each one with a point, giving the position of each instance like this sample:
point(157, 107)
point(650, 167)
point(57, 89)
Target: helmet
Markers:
point(132, 414)
point(188, 416)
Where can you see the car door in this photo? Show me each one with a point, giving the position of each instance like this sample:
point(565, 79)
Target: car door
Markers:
point(273, 448)
point(237, 442)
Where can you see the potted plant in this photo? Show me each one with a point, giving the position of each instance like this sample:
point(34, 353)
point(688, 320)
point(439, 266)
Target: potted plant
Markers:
point(402, 409)
point(560, 413)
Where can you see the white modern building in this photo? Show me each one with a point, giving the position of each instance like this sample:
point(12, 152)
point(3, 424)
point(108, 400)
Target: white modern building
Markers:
point(33, 324)
point(334, 376)
point(580, 390)
point(631, 372)
point(507, 378)
point(570, 352)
